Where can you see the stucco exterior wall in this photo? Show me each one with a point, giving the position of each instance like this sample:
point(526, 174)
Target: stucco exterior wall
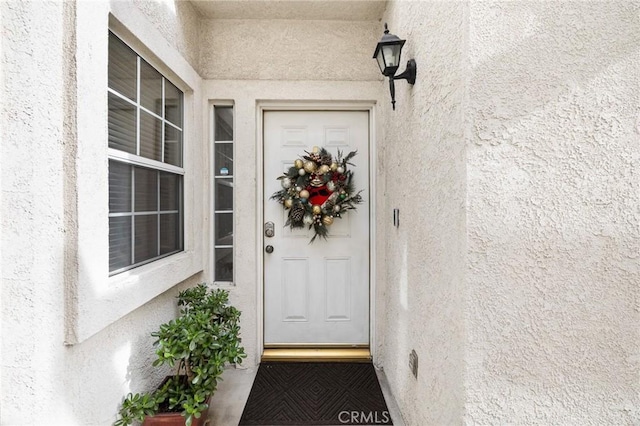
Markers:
point(424, 157)
point(27, 195)
point(553, 306)
point(54, 227)
point(179, 24)
point(256, 49)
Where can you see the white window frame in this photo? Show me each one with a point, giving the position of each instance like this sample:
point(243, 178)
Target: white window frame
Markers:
point(93, 299)
point(212, 206)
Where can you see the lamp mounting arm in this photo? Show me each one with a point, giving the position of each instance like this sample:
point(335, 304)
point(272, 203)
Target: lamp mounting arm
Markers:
point(409, 73)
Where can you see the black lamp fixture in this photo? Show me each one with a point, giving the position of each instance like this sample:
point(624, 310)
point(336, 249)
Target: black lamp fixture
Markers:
point(387, 54)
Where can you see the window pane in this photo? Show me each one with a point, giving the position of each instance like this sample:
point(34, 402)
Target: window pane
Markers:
point(172, 103)
point(150, 88)
point(146, 196)
point(122, 68)
point(122, 125)
point(224, 159)
point(169, 233)
point(223, 123)
point(119, 187)
point(169, 191)
point(146, 244)
point(150, 136)
point(224, 194)
point(224, 229)
point(119, 242)
point(224, 265)
point(172, 146)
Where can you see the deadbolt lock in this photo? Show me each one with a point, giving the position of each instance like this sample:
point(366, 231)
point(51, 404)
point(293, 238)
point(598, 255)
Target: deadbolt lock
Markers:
point(269, 229)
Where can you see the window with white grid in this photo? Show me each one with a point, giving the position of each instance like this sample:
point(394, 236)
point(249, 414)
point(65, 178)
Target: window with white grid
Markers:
point(145, 161)
point(223, 137)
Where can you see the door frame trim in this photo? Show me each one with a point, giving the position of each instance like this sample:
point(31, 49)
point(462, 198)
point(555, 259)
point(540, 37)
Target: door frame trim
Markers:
point(261, 108)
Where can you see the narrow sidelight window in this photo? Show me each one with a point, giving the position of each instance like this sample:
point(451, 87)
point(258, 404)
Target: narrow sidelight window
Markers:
point(145, 161)
point(223, 194)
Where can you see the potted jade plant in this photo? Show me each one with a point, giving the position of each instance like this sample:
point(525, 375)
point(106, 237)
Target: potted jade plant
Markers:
point(197, 345)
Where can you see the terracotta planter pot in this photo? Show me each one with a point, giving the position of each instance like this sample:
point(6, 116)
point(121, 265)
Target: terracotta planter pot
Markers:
point(176, 419)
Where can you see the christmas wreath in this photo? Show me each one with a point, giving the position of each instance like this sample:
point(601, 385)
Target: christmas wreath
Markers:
point(318, 189)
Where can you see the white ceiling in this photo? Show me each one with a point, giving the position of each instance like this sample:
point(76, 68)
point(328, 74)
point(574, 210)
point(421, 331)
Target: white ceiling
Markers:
point(334, 10)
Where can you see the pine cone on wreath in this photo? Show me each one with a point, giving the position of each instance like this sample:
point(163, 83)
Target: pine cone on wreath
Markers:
point(326, 159)
point(297, 213)
point(328, 205)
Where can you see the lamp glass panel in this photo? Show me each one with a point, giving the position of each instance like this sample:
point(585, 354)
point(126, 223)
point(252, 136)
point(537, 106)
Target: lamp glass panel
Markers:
point(380, 59)
point(392, 54)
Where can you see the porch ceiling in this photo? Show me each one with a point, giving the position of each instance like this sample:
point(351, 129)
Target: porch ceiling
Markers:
point(338, 10)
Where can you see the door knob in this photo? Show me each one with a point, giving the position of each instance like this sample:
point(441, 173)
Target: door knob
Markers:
point(269, 249)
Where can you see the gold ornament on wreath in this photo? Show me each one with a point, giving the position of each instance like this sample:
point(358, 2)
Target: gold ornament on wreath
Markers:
point(317, 190)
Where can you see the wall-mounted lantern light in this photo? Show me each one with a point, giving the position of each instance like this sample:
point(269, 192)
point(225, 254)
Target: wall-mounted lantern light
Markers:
point(387, 54)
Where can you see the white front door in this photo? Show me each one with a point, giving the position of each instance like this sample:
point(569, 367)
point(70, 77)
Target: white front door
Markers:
point(316, 293)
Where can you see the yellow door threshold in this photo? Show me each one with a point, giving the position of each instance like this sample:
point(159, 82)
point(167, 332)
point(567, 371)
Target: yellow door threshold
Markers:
point(317, 354)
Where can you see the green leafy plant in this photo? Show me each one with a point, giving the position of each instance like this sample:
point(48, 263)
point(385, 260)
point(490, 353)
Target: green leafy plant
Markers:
point(197, 344)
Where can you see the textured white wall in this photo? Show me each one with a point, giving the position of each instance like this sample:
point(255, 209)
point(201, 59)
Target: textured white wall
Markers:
point(179, 24)
point(32, 205)
point(53, 191)
point(325, 10)
point(425, 177)
point(553, 304)
point(283, 50)
point(546, 96)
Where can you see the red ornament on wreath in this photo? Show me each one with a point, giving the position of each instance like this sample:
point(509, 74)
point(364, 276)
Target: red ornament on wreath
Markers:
point(317, 196)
